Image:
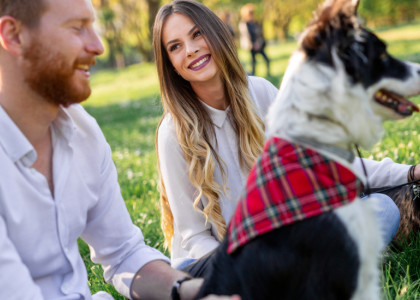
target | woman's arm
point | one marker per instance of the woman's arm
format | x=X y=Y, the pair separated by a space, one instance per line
x=263 y=93
x=383 y=173
x=189 y=224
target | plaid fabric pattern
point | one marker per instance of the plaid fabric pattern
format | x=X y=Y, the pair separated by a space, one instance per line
x=289 y=183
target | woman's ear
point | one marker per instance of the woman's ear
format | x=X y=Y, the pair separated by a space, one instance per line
x=10 y=35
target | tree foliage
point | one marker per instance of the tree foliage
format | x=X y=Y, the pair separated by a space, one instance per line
x=126 y=28
x=126 y=24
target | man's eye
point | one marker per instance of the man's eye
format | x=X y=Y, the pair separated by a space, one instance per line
x=77 y=28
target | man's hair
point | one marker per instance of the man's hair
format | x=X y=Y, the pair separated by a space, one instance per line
x=26 y=11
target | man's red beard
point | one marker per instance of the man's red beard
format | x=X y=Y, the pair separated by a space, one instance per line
x=51 y=75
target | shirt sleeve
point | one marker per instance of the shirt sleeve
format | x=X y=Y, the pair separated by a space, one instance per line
x=15 y=279
x=382 y=173
x=189 y=224
x=114 y=241
x=263 y=92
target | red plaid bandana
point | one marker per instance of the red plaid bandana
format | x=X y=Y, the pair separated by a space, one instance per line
x=289 y=183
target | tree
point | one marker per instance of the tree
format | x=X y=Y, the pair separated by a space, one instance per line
x=282 y=12
x=127 y=25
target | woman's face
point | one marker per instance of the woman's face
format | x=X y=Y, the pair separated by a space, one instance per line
x=188 y=50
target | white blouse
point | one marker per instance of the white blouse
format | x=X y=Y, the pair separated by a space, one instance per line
x=193 y=237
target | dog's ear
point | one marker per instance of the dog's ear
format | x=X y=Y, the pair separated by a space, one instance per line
x=356 y=5
x=332 y=16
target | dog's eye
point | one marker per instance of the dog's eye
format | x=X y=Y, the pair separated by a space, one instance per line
x=384 y=56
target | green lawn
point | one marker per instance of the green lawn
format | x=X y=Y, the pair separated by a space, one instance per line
x=126 y=105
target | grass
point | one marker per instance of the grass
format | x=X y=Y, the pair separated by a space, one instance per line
x=126 y=106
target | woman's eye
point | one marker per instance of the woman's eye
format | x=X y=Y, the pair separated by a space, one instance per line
x=197 y=33
x=173 y=47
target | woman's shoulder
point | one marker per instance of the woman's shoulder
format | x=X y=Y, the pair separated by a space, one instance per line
x=261 y=90
x=166 y=133
x=259 y=82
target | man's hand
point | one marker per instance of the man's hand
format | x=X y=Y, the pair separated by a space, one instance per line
x=190 y=288
x=214 y=297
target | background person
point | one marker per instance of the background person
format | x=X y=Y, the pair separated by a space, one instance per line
x=226 y=18
x=252 y=36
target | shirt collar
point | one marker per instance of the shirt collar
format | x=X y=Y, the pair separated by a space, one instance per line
x=17 y=146
x=217 y=116
x=64 y=123
x=14 y=142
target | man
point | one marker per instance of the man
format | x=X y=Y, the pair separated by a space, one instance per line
x=57 y=178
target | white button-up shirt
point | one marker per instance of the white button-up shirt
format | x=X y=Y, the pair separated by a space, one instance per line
x=193 y=236
x=39 y=256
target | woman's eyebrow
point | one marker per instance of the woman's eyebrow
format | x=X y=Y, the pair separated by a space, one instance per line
x=189 y=32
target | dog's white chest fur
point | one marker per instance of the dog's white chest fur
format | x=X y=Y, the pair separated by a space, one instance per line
x=362 y=225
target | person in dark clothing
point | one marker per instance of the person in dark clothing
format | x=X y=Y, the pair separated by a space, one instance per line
x=251 y=36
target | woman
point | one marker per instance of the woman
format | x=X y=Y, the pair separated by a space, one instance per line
x=211 y=130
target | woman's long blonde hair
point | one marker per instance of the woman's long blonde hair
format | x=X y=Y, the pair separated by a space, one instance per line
x=192 y=122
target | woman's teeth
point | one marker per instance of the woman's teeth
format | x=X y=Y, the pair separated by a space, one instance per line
x=200 y=62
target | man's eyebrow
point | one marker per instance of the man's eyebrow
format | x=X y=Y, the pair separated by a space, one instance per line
x=79 y=19
x=189 y=32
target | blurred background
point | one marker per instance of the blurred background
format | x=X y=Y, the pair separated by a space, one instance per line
x=125 y=25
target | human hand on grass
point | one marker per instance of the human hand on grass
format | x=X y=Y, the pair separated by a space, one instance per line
x=190 y=288
x=214 y=297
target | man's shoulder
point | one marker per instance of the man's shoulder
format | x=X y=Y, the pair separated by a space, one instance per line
x=78 y=113
x=81 y=118
x=85 y=125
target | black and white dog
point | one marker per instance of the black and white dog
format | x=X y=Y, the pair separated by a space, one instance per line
x=300 y=231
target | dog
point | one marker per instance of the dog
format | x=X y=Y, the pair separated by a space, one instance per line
x=300 y=231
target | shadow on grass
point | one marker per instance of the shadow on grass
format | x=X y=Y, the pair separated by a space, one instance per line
x=129 y=125
x=401 y=271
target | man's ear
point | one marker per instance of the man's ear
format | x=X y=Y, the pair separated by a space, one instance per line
x=10 y=35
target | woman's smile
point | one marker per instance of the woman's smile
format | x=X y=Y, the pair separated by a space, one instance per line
x=200 y=63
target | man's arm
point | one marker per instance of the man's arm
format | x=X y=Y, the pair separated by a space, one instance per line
x=155 y=281
x=15 y=278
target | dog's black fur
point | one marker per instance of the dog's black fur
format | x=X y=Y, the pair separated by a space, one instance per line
x=365 y=61
x=273 y=265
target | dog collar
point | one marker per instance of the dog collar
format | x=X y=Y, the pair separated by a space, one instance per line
x=348 y=155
